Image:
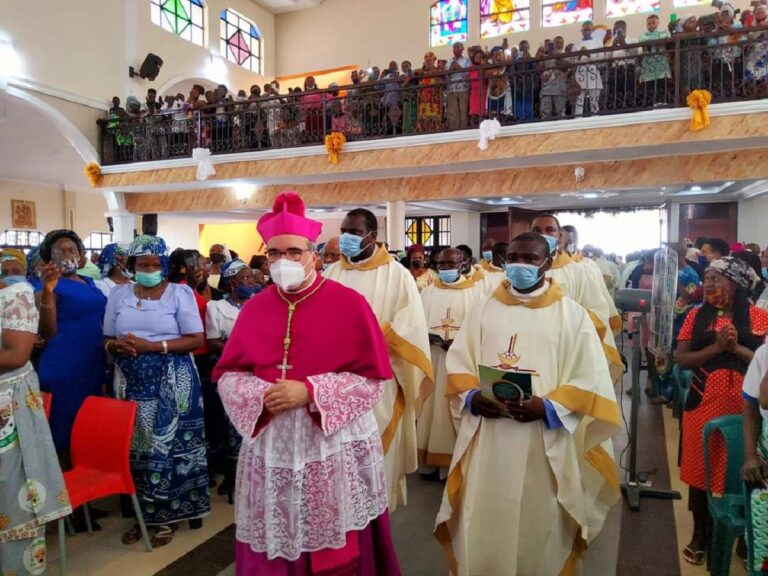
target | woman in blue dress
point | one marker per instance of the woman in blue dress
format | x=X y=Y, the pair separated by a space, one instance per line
x=151 y=328
x=71 y=312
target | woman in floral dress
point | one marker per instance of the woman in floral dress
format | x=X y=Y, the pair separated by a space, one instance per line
x=32 y=490
x=430 y=96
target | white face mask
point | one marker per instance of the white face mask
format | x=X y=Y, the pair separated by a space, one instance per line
x=287 y=275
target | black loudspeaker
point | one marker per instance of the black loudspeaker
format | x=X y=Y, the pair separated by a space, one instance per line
x=149 y=224
x=149 y=69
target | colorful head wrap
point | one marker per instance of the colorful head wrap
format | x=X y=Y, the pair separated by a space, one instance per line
x=14 y=255
x=107 y=258
x=736 y=271
x=415 y=248
x=54 y=236
x=146 y=245
x=33 y=258
x=231 y=269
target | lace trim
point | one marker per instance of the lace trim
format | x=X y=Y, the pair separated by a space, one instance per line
x=342 y=397
x=285 y=512
x=17 y=309
x=242 y=395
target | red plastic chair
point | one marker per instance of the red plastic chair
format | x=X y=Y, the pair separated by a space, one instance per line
x=101 y=442
x=47 y=401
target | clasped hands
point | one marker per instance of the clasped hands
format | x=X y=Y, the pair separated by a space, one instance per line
x=727 y=339
x=132 y=345
x=286 y=395
x=525 y=411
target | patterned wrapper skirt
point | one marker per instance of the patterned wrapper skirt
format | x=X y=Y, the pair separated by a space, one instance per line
x=168 y=460
x=32 y=490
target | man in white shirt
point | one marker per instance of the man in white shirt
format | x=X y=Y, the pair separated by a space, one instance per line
x=588 y=75
x=458 y=89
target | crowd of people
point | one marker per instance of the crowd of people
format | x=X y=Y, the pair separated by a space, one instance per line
x=607 y=69
x=310 y=381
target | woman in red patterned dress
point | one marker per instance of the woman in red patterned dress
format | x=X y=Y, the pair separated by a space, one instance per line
x=717 y=341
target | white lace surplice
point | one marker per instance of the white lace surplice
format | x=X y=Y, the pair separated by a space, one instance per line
x=301 y=487
x=17 y=308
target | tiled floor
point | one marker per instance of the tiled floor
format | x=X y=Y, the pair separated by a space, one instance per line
x=631 y=544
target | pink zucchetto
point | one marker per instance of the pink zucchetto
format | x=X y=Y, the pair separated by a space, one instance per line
x=287 y=217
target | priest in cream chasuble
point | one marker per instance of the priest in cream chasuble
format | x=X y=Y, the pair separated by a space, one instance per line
x=533 y=474
x=391 y=291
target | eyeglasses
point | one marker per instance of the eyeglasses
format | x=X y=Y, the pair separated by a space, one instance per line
x=292 y=254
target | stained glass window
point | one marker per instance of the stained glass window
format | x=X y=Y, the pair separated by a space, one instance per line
x=684 y=3
x=502 y=17
x=621 y=8
x=448 y=22
x=240 y=41
x=429 y=231
x=557 y=13
x=181 y=17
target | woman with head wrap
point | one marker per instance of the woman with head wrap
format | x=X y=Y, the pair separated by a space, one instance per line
x=13 y=266
x=113 y=265
x=151 y=328
x=32 y=489
x=418 y=267
x=71 y=311
x=717 y=342
x=35 y=269
x=239 y=283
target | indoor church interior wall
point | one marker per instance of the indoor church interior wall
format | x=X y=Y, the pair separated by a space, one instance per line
x=52 y=205
x=372 y=32
x=753 y=214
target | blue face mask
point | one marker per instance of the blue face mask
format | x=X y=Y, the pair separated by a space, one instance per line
x=69 y=266
x=149 y=279
x=487 y=255
x=765 y=273
x=350 y=244
x=11 y=280
x=448 y=276
x=703 y=262
x=552 y=241
x=523 y=276
x=244 y=292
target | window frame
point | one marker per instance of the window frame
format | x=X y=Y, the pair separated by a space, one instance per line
x=248 y=33
x=492 y=14
x=440 y=235
x=17 y=245
x=546 y=3
x=88 y=242
x=197 y=30
x=440 y=24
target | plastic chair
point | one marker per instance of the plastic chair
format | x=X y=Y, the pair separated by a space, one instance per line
x=682 y=386
x=101 y=442
x=750 y=533
x=47 y=401
x=726 y=510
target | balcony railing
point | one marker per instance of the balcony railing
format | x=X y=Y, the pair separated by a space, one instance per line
x=732 y=66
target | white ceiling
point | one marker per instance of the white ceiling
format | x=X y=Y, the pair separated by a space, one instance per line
x=32 y=149
x=281 y=6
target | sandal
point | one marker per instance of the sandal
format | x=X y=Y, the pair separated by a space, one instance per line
x=132 y=536
x=695 y=557
x=161 y=535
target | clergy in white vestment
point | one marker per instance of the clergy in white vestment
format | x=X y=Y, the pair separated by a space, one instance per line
x=389 y=288
x=533 y=474
x=493 y=270
x=586 y=288
x=299 y=377
x=446 y=305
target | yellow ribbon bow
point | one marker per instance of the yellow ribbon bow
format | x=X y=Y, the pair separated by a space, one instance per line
x=93 y=172
x=698 y=101
x=334 y=142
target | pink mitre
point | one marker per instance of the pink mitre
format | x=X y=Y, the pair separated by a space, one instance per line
x=287 y=217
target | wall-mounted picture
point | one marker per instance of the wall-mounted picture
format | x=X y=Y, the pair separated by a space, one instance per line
x=24 y=215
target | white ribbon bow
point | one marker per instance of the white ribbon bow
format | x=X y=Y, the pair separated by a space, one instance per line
x=204 y=166
x=489 y=129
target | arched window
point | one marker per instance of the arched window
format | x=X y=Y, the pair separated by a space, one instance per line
x=448 y=22
x=95 y=242
x=181 y=17
x=23 y=240
x=621 y=8
x=240 y=41
x=502 y=17
x=559 y=13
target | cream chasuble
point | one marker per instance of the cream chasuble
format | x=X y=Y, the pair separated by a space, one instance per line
x=588 y=289
x=392 y=294
x=446 y=307
x=492 y=276
x=522 y=499
x=614 y=318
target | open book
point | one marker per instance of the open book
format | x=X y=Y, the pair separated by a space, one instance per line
x=501 y=385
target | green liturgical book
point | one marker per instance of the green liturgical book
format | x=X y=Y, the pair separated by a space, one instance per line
x=502 y=385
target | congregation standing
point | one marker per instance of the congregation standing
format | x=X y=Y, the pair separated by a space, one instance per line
x=317 y=377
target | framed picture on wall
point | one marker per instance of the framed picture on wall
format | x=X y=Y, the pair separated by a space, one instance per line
x=23 y=214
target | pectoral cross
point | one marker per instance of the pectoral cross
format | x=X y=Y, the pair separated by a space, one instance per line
x=284 y=367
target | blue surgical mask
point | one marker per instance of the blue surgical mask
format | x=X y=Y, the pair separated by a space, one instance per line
x=448 y=276
x=11 y=280
x=149 y=279
x=523 y=276
x=552 y=241
x=703 y=262
x=765 y=273
x=244 y=292
x=487 y=255
x=350 y=244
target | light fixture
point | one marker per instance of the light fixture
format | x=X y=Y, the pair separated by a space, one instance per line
x=695 y=188
x=244 y=191
x=590 y=195
x=506 y=199
x=10 y=64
